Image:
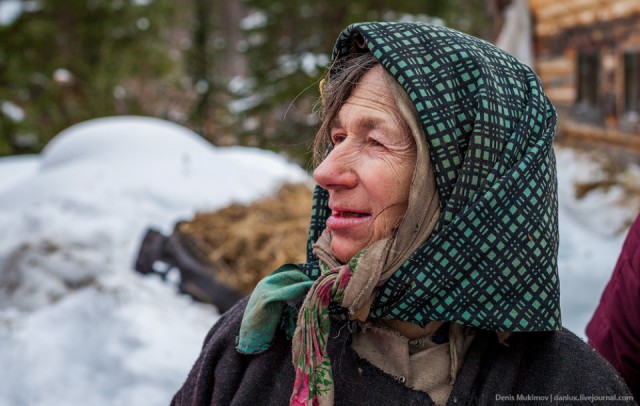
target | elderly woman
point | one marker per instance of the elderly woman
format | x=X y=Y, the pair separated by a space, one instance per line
x=431 y=274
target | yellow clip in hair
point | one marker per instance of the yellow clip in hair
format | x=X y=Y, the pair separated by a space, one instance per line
x=323 y=83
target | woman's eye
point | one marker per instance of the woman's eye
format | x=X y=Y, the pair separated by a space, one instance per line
x=337 y=139
x=375 y=143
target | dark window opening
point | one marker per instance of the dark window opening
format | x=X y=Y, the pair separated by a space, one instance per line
x=588 y=83
x=632 y=82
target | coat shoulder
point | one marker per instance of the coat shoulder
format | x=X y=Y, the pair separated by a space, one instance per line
x=221 y=375
x=543 y=366
x=570 y=366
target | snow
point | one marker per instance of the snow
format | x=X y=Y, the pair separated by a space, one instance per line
x=307 y=61
x=78 y=326
x=12 y=111
x=592 y=231
x=10 y=10
x=254 y=21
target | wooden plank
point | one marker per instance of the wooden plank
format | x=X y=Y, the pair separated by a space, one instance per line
x=563 y=8
x=623 y=8
x=582 y=132
x=565 y=95
x=633 y=41
x=556 y=72
x=553 y=17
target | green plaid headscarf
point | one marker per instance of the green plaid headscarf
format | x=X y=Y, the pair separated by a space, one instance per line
x=492 y=260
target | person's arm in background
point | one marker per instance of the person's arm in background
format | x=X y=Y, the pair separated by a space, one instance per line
x=614 y=330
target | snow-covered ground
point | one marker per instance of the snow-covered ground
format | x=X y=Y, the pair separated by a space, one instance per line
x=79 y=327
x=592 y=230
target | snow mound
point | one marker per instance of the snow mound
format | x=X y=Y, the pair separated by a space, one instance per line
x=77 y=324
x=15 y=169
x=121 y=139
x=128 y=159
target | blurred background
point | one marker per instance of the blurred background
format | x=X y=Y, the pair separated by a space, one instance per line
x=233 y=70
x=236 y=72
x=170 y=137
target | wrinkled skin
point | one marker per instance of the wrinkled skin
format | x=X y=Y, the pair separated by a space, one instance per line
x=368 y=172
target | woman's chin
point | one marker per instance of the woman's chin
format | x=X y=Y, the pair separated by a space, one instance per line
x=343 y=251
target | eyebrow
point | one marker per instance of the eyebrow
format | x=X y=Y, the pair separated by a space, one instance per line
x=365 y=123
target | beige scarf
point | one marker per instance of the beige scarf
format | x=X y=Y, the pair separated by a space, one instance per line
x=419 y=364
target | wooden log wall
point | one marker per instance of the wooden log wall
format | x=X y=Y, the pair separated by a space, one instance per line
x=564 y=28
x=555 y=16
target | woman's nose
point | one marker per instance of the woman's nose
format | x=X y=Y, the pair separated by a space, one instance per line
x=336 y=171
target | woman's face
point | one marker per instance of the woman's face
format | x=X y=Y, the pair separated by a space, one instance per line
x=368 y=173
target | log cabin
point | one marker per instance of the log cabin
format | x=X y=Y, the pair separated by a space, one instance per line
x=587 y=54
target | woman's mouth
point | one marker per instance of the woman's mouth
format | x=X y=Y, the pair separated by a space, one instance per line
x=351 y=214
x=347 y=219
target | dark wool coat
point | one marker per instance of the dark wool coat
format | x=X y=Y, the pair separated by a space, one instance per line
x=549 y=364
x=614 y=330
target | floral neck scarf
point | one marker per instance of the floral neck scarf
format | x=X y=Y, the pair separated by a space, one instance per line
x=314 y=377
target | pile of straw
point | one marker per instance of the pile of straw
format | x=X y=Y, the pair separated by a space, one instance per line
x=244 y=243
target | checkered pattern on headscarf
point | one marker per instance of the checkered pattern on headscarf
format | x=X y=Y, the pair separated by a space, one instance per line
x=492 y=260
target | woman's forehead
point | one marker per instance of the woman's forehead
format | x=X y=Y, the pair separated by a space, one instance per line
x=372 y=102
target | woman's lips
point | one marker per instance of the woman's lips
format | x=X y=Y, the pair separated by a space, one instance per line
x=344 y=220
